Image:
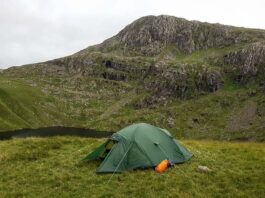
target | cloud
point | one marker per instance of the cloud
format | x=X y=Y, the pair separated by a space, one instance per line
x=37 y=30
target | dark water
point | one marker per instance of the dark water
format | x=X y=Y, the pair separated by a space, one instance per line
x=54 y=131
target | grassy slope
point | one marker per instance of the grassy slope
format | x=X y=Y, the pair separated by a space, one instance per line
x=93 y=102
x=113 y=107
x=209 y=116
x=23 y=105
x=51 y=167
x=37 y=102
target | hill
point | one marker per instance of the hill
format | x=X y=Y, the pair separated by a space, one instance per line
x=199 y=80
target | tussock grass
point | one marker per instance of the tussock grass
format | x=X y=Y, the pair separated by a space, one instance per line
x=52 y=167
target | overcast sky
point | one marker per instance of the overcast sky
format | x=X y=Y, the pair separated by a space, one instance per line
x=38 y=30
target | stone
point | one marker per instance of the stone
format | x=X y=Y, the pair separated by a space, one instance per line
x=203 y=169
x=248 y=61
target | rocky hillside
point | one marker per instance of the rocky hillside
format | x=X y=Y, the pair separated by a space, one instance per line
x=149 y=35
x=161 y=65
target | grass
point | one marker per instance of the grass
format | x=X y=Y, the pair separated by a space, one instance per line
x=24 y=105
x=206 y=117
x=204 y=55
x=38 y=102
x=19 y=104
x=106 y=105
x=52 y=167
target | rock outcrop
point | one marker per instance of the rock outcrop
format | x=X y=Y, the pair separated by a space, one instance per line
x=185 y=81
x=150 y=34
x=249 y=61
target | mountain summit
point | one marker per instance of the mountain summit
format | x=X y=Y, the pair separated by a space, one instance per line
x=151 y=33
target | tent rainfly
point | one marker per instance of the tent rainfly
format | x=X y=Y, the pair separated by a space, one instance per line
x=138 y=146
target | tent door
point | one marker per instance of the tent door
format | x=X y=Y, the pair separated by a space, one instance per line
x=108 y=148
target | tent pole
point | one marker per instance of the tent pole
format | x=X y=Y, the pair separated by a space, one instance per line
x=119 y=163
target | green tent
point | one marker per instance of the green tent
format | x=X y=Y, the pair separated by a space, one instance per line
x=138 y=146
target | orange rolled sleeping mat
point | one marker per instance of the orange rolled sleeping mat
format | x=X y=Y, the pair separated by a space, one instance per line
x=162 y=166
